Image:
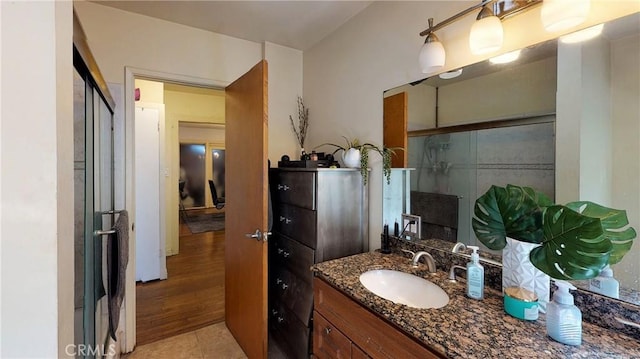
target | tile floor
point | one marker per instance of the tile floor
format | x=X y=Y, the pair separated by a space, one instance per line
x=214 y=341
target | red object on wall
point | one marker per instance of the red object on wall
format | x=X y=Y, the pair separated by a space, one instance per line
x=137 y=94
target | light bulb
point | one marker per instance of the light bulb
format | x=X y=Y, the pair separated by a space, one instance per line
x=432 y=55
x=582 y=35
x=558 y=15
x=486 y=33
x=505 y=58
x=450 y=74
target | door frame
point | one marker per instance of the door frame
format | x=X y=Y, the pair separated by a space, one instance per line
x=131 y=73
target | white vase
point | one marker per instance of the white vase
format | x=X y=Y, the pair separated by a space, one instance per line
x=517 y=271
x=351 y=158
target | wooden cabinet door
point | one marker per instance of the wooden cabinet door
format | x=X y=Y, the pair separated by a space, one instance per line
x=329 y=342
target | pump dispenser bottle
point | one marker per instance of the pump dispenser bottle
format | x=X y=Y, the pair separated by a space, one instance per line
x=475 y=276
x=564 y=320
x=605 y=284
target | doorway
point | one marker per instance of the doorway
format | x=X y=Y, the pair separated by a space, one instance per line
x=191 y=295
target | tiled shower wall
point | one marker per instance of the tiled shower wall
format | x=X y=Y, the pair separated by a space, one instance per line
x=466 y=164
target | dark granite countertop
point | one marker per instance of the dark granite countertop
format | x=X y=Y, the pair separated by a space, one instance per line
x=468 y=328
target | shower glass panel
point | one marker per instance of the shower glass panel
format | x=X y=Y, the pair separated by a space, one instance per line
x=217 y=172
x=79 y=168
x=193 y=174
x=93 y=195
x=466 y=164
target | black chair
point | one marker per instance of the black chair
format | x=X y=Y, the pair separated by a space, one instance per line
x=217 y=201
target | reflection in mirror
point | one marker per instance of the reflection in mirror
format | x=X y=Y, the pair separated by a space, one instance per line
x=499 y=124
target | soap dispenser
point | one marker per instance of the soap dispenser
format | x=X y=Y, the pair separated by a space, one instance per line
x=564 y=320
x=605 y=284
x=475 y=276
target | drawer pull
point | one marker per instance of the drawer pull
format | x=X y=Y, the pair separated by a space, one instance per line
x=274 y=312
x=285 y=286
x=285 y=254
x=327 y=330
x=278 y=281
x=283 y=187
x=280 y=319
x=280 y=250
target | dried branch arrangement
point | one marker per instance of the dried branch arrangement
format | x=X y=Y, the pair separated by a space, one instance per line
x=303 y=123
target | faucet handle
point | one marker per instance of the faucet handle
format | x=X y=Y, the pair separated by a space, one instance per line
x=408 y=251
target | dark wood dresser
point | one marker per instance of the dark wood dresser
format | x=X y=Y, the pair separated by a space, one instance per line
x=318 y=215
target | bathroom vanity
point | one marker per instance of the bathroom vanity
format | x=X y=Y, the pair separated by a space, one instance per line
x=348 y=314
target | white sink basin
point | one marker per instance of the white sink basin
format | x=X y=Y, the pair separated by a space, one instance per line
x=404 y=288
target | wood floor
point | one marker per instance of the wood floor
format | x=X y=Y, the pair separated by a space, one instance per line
x=193 y=295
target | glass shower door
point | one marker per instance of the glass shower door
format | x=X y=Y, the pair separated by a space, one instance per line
x=93 y=196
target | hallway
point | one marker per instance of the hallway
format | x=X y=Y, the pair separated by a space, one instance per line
x=193 y=295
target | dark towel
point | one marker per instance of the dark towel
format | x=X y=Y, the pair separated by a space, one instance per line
x=117 y=260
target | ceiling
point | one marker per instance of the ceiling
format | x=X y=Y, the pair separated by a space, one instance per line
x=295 y=24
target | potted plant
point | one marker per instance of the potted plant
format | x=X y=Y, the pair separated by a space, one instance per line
x=576 y=241
x=356 y=155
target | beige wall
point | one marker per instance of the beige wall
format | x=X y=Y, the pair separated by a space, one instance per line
x=346 y=73
x=147 y=45
x=36 y=157
x=285 y=84
x=194 y=104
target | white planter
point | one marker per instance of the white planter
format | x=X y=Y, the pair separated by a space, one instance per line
x=351 y=158
x=518 y=271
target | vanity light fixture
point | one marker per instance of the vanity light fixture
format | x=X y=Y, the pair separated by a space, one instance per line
x=505 y=58
x=582 y=35
x=558 y=15
x=486 y=33
x=432 y=54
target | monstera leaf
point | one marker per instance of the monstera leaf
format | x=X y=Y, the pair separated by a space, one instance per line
x=513 y=211
x=574 y=245
x=613 y=223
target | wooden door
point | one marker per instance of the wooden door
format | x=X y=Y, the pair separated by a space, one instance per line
x=246 y=210
x=395 y=127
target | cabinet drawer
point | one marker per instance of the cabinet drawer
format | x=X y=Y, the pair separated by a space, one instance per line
x=296 y=257
x=292 y=292
x=297 y=223
x=357 y=353
x=296 y=188
x=291 y=335
x=372 y=334
x=328 y=341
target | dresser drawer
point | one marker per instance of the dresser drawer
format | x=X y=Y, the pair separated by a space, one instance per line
x=292 y=255
x=297 y=223
x=292 y=292
x=296 y=188
x=328 y=341
x=291 y=335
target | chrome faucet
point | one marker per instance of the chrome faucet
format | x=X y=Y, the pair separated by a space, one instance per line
x=452 y=272
x=458 y=247
x=431 y=263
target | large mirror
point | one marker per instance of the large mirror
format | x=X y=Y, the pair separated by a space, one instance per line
x=563 y=118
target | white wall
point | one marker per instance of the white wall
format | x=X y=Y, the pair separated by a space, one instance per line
x=625 y=113
x=285 y=84
x=36 y=157
x=346 y=73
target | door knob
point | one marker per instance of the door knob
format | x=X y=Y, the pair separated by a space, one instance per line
x=258 y=235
